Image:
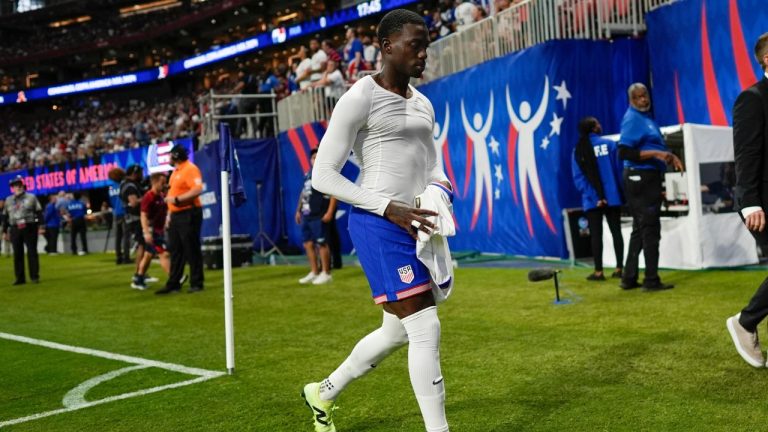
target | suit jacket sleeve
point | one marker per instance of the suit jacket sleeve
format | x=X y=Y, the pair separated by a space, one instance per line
x=749 y=148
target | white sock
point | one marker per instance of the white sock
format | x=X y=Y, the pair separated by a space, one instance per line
x=423 y=329
x=371 y=349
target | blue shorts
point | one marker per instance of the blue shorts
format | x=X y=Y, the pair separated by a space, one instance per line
x=314 y=230
x=387 y=254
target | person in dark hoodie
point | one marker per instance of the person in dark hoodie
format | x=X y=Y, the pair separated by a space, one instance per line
x=597 y=173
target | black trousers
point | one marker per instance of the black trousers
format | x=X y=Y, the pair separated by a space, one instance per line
x=122 y=240
x=184 y=246
x=595 y=218
x=20 y=238
x=78 y=227
x=757 y=309
x=643 y=191
x=51 y=239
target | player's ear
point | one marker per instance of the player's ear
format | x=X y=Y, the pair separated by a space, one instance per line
x=387 y=45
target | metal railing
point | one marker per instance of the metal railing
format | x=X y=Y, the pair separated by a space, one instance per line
x=307 y=106
x=251 y=115
x=523 y=25
x=533 y=22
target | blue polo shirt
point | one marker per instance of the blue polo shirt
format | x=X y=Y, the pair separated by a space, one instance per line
x=76 y=209
x=52 y=216
x=609 y=165
x=114 y=200
x=640 y=131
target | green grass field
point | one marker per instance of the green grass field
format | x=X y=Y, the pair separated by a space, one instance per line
x=513 y=361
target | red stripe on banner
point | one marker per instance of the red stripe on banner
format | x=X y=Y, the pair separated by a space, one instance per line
x=680 y=113
x=511 y=158
x=544 y=212
x=740 y=54
x=714 y=103
x=449 y=165
x=527 y=210
x=468 y=170
x=298 y=148
x=309 y=132
x=475 y=214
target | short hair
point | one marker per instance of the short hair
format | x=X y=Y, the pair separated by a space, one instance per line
x=313 y=152
x=761 y=49
x=116 y=174
x=635 y=86
x=394 y=21
x=156 y=176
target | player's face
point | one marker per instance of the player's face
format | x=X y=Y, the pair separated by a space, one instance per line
x=408 y=50
x=160 y=184
x=641 y=100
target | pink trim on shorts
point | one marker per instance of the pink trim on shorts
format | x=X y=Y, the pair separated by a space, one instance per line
x=409 y=292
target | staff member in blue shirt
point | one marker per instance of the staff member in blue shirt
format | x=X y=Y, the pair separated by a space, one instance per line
x=75 y=215
x=597 y=174
x=122 y=234
x=52 y=219
x=645 y=155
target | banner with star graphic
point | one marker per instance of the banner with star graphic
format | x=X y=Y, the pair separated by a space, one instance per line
x=506 y=130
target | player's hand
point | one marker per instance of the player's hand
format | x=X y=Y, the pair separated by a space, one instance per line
x=602 y=203
x=6 y=237
x=297 y=218
x=169 y=200
x=327 y=217
x=756 y=221
x=408 y=217
x=148 y=238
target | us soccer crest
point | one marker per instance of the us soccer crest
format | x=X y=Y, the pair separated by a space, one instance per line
x=406 y=274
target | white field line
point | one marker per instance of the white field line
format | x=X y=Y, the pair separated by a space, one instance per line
x=74 y=399
x=105 y=400
x=113 y=356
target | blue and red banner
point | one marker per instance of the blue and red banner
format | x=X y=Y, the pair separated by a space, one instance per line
x=506 y=131
x=295 y=147
x=92 y=173
x=702 y=57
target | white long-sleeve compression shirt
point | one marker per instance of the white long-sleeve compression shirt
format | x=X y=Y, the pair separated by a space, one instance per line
x=392 y=139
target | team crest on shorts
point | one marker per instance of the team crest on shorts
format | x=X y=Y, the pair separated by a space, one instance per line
x=406 y=274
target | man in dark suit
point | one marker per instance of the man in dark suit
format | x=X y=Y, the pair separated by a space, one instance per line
x=750 y=147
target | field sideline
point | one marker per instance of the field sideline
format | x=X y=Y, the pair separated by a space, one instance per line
x=513 y=361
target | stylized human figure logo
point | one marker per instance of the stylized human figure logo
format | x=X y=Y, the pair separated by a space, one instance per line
x=526 y=125
x=478 y=133
x=440 y=134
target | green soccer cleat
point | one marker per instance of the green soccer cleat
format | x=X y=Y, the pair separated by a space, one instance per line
x=322 y=411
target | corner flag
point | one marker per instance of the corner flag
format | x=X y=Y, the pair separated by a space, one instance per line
x=231 y=164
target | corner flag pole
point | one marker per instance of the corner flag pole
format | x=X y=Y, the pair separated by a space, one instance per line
x=229 y=331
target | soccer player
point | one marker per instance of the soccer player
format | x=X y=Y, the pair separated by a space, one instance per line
x=154 y=212
x=388 y=123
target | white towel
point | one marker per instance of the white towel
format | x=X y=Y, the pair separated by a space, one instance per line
x=432 y=249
